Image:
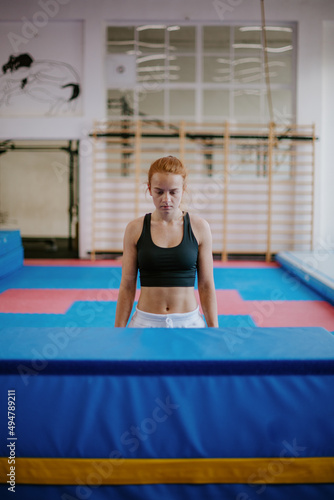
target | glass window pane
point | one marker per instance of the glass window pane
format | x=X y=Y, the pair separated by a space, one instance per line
x=182 y=103
x=282 y=106
x=216 y=103
x=280 y=68
x=182 y=40
x=279 y=37
x=120 y=39
x=151 y=70
x=151 y=102
x=182 y=69
x=216 y=69
x=216 y=38
x=248 y=35
x=247 y=41
x=248 y=70
x=247 y=105
x=120 y=102
x=151 y=40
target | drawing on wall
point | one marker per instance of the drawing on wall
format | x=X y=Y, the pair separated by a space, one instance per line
x=54 y=85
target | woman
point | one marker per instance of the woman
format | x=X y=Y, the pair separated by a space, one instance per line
x=168 y=247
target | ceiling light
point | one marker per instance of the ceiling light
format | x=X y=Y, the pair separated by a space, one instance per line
x=247 y=60
x=158 y=68
x=173 y=28
x=151 y=27
x=154 y=57
x=267 y=28
x=151 y=45
x=247 y=46
x=279 y=49
x=259 y=46
x=134 y=52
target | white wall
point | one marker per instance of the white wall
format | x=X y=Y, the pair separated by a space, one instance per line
x=314 y=80
x=327 y=160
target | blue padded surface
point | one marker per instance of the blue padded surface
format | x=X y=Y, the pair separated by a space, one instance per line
x=101 y=314
x=252 y=284
x=310 y=271
x=11 y=253
x=171 y=393
x=166 y=416
x=261 y=284
x=64 y=277
x=174 y=492
x=9 y=240
x=236 y=320
x=281 y=349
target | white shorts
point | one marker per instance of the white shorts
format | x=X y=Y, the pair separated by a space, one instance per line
x=141 y=319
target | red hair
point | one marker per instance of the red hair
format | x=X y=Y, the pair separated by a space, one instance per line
x=168 y=165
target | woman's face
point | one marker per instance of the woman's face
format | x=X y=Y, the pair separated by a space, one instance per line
x=166 y=190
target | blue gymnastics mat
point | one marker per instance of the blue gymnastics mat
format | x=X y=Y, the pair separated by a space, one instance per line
x=164 y=394
x=315 y=269
x=11 y=252
x=252 y=284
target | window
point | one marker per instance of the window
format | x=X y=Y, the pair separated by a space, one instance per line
x=201 y=73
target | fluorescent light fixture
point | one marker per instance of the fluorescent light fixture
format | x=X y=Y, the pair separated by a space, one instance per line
x=246 y=60
x=223 y=61
x=258 y=76
x=259 y=46
x=154 y=57
x=158 y=68
x=151 y=45
x=267 y=28
x=247 y=46
x=247 y=71
x=134 y=52
x=253 y=78
x=221 y=79
x=158 y=76
x=243 y=60
x=223 y=70
x=279 y=49
x=151 y=27
x=173 y=28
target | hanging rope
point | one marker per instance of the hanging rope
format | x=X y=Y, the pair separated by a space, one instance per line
x=266 y=65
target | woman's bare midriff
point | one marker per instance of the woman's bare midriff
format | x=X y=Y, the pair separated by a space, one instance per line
x=167 y=300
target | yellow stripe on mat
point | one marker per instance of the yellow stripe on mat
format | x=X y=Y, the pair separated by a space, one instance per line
x=170 y=470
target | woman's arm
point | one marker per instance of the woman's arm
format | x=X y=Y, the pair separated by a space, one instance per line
x=127 y=290
x=206 y=286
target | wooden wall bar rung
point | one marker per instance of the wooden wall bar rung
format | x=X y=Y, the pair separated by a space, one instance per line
x=257 y=176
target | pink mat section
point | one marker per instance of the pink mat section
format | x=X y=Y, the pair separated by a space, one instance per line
x=72 y=262
x=50 y=301
x=118 y=262
x=294 y=313
x=245 y=263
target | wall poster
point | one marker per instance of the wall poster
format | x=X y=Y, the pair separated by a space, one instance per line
x=40 y=69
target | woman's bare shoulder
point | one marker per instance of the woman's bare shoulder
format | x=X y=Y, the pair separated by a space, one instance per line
x=134 y=228
x=199 y=222
x=200 y=227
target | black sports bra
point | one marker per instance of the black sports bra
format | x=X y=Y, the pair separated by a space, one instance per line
x=175 y=266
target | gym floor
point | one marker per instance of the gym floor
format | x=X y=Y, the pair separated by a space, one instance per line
x=60 y=293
